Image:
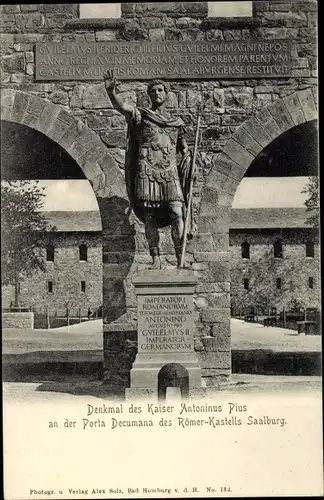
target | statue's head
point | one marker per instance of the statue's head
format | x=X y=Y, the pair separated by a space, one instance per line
x=157 y=91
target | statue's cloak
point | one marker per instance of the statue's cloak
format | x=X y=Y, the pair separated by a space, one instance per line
x=131 y=166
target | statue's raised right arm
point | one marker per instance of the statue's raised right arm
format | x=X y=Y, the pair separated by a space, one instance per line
x=111 y=86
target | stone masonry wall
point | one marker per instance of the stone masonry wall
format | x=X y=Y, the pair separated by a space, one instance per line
x=24 y=320
x=66 y=273
x=294 y=269
x=226 y=105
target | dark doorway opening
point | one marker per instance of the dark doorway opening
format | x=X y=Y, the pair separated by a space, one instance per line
x=173 y=375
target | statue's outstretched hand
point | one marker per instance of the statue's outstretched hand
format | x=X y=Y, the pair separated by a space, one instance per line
x=110 y=80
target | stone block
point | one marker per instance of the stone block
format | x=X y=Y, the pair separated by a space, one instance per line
x=29 y=7
x=58 y=129
x=11 y=9
x=257 y=131
x=4 y=77
x=306 y=99
x=172 y=100
x=191 y=9
x=57 y=8
x=29 y=57
x=221 y=330
x=218 y=300
x=281 y=115
x=132 y=31
x=14 y=63
x=225 y=168
x=201 y=243
x=238 y=154
x=19 y=107
x=59 y=97
x=150 y=22
x=30 y=21
x=247 y=141
x=114 y=138
x=7 y=101
x=300 y=73
x=238 y=97
x=232 y=119
x=219 y=342
x=214 y=34
x=219 y=271
x=6 y=44
x=156 y=34
x=220 y=241
x=213 y=223
x=213 y=287
x=76 y=99
x=194 y=98
x=293 y=105
x=214 y=359
x=192 y=35
x=105 y=35
x=95 y=96
x=269 y=122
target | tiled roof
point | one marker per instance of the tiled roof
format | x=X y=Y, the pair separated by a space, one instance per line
x=75 y=221
x=266 y=218
x=242 y=218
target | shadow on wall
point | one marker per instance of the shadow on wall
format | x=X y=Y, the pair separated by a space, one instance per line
x=118 y=254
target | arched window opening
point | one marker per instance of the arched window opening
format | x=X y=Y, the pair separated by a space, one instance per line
x=83 y=252
x=245 y=250
x=278 y=283
x=277 y=249
x=50 y=253
x=246 y=283
x=310 y=249
x=310 y=282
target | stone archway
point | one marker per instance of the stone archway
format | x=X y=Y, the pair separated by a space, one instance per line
x=107 y=181
x=215 y=212
x=243 y=147
x=72 y=134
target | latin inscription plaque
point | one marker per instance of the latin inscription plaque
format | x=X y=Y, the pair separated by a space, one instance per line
x=213 y=59
x=165 y=323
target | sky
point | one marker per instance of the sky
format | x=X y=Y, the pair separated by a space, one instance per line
x=253 y=192
x=215 y=9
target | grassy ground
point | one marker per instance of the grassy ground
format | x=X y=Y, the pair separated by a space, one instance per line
x=88 y=337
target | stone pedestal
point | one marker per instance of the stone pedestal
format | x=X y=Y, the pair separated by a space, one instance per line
x=166 y=355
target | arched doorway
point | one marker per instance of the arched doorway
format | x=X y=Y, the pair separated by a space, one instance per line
x=229 y=167
x=91 y=156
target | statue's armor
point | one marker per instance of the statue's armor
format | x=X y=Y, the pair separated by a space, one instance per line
x=157 y=177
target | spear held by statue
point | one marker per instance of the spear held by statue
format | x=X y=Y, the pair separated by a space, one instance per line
x=190 y=193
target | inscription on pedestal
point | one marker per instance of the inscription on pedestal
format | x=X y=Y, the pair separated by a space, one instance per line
x=165 y=323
